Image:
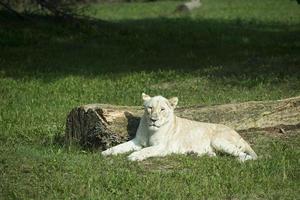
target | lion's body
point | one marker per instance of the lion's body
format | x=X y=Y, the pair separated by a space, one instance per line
x=161 y=133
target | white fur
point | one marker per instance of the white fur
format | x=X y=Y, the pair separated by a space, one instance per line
x=161 y=133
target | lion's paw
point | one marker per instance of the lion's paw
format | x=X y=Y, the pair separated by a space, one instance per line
x=107 y=152
x=136 y=156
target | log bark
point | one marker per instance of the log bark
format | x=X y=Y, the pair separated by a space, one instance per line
x=101 y=126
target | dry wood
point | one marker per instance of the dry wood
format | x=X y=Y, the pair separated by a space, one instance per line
x=101 y=125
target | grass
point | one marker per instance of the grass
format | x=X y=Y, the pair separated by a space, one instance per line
x=49 y=172
x=226 y=51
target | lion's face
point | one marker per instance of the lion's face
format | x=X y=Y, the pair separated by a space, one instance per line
x=158 y=110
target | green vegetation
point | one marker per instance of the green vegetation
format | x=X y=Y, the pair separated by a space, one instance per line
x=226 y=51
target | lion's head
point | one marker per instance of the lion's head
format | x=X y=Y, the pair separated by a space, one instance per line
x=158 y=110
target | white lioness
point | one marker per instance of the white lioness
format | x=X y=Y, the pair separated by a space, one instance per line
x=161 y=133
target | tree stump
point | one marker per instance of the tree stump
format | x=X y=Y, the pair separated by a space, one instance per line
x=101 y=126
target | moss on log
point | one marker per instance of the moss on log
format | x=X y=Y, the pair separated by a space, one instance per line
x=101 y=126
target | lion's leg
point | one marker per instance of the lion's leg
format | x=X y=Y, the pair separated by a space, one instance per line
x=204 y=148
x=209 y=152
x=131 y=145
x=230 y=148
x=147 y=152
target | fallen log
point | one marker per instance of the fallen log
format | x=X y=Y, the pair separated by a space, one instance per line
x=101 y=126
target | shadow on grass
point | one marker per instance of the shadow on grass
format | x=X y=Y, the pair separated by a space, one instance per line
x=46 y=48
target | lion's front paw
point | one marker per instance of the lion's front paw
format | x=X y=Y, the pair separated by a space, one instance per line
x=136 y=156
x=107 y=152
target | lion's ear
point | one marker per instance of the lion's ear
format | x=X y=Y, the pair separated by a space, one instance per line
x=173 y=101
x=145 y=97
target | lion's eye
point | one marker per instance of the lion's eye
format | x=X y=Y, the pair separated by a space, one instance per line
x=162 y=109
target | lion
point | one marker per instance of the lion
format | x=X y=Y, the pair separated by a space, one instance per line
x=161 y=133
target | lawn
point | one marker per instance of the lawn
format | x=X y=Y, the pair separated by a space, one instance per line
x=224 y=52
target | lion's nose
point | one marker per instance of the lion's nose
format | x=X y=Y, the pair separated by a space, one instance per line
x=153 y=119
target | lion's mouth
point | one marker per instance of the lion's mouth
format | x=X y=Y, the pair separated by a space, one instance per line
x=153 y=125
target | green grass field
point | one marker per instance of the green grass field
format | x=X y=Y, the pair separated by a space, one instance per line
x=224 y=52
